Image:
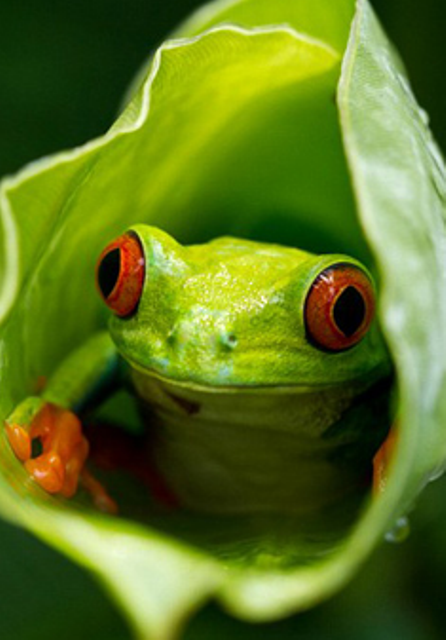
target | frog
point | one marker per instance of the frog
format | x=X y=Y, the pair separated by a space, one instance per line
x=260 y=372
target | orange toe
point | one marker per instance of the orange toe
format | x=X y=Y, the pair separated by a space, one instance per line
x=101 y=498
x=74 y=467
x=19 y=440
x=381 y=462
x=48 y=471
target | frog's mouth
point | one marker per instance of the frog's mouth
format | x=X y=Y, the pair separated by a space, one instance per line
x=357 y=383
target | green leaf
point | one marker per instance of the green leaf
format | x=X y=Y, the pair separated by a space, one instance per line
x=235 y=131
x=400 y=185
x=327 y=21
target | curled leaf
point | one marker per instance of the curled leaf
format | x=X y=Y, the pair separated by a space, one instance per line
x=236 y=129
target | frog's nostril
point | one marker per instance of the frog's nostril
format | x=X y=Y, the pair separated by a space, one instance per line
x=171 y=338
x=229 y=340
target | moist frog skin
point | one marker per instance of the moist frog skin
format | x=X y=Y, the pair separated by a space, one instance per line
x=259 y=370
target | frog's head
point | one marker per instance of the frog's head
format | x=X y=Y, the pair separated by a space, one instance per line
x=239 y=313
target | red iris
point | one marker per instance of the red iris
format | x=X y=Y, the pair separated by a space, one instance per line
x=339 y=307
x=120 y=274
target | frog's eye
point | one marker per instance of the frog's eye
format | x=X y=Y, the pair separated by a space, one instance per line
x=339 y=307
x=120 y=274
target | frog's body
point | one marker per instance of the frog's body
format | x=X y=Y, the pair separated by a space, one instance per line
x=248 y=449
x=245 y=412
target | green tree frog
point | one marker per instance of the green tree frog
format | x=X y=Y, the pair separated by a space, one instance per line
x=260 y=371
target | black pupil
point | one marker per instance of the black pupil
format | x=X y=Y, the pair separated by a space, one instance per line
x=349 y=311
x=108 y=272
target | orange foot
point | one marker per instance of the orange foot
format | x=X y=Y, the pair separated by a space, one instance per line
x=59 y=465
x=381 y=462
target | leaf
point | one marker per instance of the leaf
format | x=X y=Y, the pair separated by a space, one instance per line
x=326 y=21
x=400 y=185
x=235 y=131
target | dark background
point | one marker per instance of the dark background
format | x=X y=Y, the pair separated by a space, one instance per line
x=65 y=65
x=63 y=68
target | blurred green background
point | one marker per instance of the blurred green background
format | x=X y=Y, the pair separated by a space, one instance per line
x=63 y=69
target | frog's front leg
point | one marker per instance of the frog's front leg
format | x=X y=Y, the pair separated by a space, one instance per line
x=56 y=434
x=46 y=434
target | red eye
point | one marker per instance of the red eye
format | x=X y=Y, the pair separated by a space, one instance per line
x=339 y=307
x=120 y=274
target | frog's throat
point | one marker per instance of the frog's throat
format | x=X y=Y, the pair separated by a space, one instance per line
x=258 y=449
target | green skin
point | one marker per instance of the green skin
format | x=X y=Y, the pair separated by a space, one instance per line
x=245 y=414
